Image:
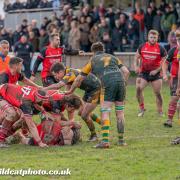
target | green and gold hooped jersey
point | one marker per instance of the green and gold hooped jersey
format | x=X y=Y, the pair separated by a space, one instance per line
x=105 y=66
x=90 y=82
x=70 y=75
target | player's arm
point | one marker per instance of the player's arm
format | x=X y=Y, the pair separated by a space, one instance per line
x=55 y=86
x=77 y=82
x=67 y=51
x=124 y=70
x=38 y=61
x=166 y=62
x=29 y=82
x=137 y=59
x=27 y=110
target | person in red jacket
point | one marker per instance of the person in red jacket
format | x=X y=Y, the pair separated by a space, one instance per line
x=49 y=55
x=148 y=61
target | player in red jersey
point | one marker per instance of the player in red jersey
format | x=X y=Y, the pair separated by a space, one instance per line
x=49 y=55
x=148 y=62
x=23 y=98
x=58 y=103
x=13 y=74
x=172 y=58
x=55 y=132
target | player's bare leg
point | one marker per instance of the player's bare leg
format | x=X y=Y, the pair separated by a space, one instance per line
x=105 y=118
x=171 y=110
x=119 y=108
x=85 y=115
x=157 y=86
x=140 y=85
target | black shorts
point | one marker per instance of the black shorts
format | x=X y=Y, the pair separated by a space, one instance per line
x=173 y=86
x=48 y=81
x=112 y=92
x=150 y=78
x=91 y=96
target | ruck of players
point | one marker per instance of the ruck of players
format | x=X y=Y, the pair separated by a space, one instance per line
x=45 y=113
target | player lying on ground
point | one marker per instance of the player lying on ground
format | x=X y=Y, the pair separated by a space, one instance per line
x=13 y=74
x=91 y=85
x=172 y=58
x=24 y=98
x=107 y=68
x=51 y=132
x=148 y=60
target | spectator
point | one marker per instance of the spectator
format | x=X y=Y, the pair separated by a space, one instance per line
x=153 y=7
x=17 y=5
x=117 y=36
x=45 y=22
x=168 y=21
x=17 y=34
x=74 y=36
x=43 y=39
x=84 y=32
x=89 y=20
x=178 y=12
x=5 y=36
x=107 y=43
x=139 y=16
x=162 y=5
x=44 y=4
x=24 y=24
x=93 y=36
x=34 y=41
x=24 y=50
x=111 y=15
x=34 y=27
x=103 y=27
x=148 y=19
x=156 y=25
x=65 y=35
x=133 y=32
x=1 y=22
x=7 y=6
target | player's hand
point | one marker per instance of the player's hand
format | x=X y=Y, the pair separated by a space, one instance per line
x=43 y=145
x=152 y=73
x=165 y=77
x=32 y=78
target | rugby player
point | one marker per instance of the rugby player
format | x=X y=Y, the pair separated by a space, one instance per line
x=172 y=59
x=148 y=62
x=113 y=90
x=91 y=85
x=24 y=98
x=55 y=132
x=12 y=74
x=49 y=55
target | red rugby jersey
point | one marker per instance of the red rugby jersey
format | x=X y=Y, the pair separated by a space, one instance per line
x=151 y=56
x=55 y=103
x=16 y=95
x=172 y=58
x=7 y=77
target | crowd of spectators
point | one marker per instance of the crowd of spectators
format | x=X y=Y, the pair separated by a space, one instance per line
x=33 y=4
x=118 y=30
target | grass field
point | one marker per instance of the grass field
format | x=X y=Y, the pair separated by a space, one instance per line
x=148 y=156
